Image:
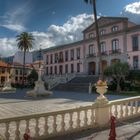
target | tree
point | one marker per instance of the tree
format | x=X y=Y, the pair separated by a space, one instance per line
x=33 y=76
x=134 y=76
x=93 y=2
x=117 y=71
x=24 y=43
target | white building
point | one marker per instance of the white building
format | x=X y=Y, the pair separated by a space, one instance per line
x=18 y=57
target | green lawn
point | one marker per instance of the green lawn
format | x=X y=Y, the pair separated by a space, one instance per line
x=127 y=93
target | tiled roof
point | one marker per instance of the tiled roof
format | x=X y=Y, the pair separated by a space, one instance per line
x=62 y=46
x=3 y=64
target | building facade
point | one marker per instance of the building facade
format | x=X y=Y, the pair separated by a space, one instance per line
x=119 y=40
x=17 y=73
x=4 y=72
x=18 y=57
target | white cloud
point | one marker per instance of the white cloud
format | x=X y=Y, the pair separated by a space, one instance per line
x=70 y=31
x=132 y=11
x=8 y=46
x=133 y=8
x=14 y=27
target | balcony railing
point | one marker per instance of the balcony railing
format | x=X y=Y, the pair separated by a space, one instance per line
x=115 y=51
x=91 y=55
x=60 y=60
x=104 y=53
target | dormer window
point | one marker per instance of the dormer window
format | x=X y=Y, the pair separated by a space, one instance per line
x=115 y=28
x=91 y=35
x=102 y=32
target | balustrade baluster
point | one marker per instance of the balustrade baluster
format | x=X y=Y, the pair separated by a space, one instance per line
x=126 y=109
x=92 y=117
x=54 y=124
x=46 y=126
x=27 y=126
x=71 y=122
x=121 y=111
x=36 y=127
x=7 y=134
x=78 y=119
x=63 y=123
x=17 y=132
x=136 y=107
x=116 y=111
x=131 y=108
x=85 y=118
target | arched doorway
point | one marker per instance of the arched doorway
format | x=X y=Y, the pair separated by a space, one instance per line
x=104 y=65
x=91 y=68
x=113 y=61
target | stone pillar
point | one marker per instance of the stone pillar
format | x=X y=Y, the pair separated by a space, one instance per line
x=102 y=114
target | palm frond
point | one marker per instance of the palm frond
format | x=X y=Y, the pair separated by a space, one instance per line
x=89 y=1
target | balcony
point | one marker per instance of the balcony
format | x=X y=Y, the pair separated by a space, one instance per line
x=91 y=55
x=60 y=60
x=104 y=53
x=117 y=51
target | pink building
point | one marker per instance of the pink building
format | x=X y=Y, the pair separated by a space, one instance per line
x=119 y=39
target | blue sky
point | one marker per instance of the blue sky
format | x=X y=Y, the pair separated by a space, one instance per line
x=55 y=22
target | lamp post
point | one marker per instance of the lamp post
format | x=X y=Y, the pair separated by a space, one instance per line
x=40 y=57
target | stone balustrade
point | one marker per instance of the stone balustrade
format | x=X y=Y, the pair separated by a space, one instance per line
x=125 y=108
x=67 y=121
x=54 y=80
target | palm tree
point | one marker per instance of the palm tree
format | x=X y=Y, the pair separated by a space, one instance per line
x=24 y=43
x=93 y=2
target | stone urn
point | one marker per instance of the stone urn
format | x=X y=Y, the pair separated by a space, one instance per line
x=101 y=88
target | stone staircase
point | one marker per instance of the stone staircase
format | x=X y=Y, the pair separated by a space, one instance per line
x=77 y=84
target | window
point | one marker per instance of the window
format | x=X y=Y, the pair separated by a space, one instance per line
x=51 y=70
x=16 y=72
x=56 y=57
x=115 y=44
x=135 y=62
x=91 y=35
x=66 y=55
x=60 y=69
x=55 y=69
x=46 y=70
x=102 y=32
x=61 y=57
x=78 y=67
x=51 y=58
x=3 y=70
x=72 y=68
x=115 y=28
x=66 y=68
x=90 y=49
x=72 y=54
x=103 y=47
x=20 y=72
x=47 y=59
x=135 y=43
x=78 y=53
x=16 y=79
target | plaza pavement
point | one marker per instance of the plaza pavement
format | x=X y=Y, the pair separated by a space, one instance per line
x=18 y=104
